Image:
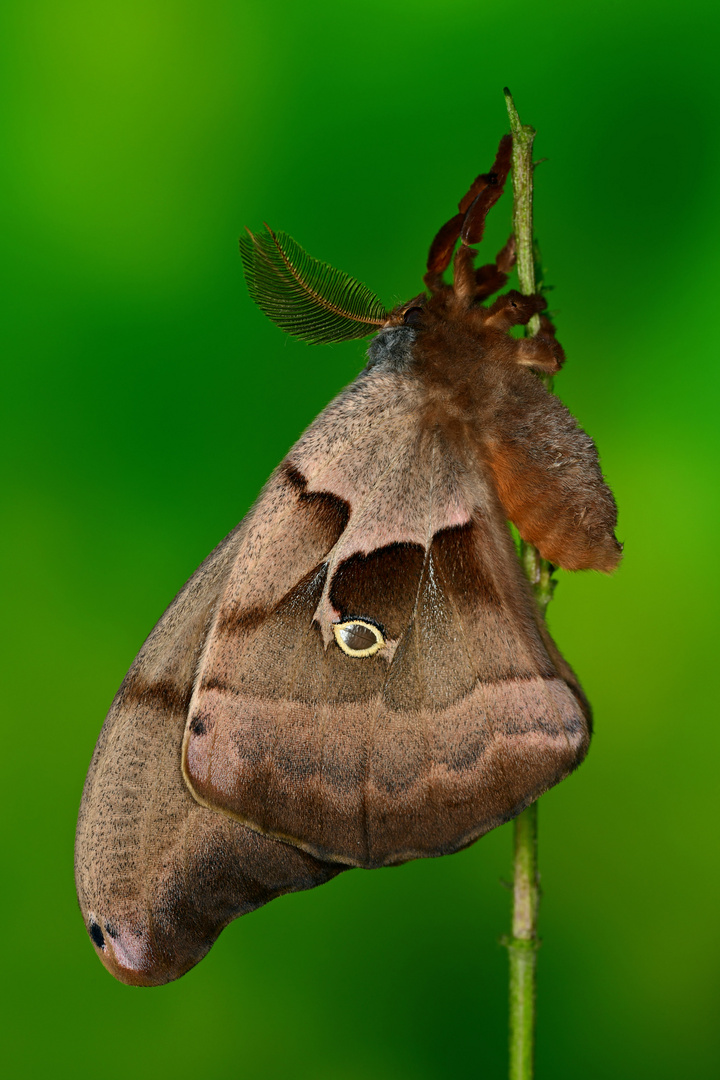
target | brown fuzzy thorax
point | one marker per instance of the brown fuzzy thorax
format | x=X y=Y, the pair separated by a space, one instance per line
x=481 y=393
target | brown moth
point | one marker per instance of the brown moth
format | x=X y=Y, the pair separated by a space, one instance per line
x=359 y=674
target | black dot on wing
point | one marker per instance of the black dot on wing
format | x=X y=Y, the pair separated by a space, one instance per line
x=95 y=932
x=197 y=726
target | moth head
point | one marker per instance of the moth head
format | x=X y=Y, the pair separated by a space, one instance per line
x=358 y=637
x=412 y=316
x=315 y=302
x=409 y=314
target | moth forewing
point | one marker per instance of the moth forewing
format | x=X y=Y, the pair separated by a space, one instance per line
x=359 y=674
x=410 y=754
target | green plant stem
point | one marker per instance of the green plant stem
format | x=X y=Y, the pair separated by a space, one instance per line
x=523 y=943
x=522 y=174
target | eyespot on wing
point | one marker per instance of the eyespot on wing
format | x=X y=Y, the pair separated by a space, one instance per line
x=358 y=638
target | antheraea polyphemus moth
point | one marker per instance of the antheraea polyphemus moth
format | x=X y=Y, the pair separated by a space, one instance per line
x=358 y=675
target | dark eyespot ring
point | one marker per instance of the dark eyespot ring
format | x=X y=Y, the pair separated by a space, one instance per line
x=356 y=637
x=413 y=316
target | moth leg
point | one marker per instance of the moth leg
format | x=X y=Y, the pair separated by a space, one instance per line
x=493 y=184
x=543 y=351
x=492 y=277
x=441 y=251
x=513 y=309
x=464 y=275
x=469 y=223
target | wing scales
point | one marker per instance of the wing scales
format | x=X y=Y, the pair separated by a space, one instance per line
x=158 y=875
x=462 y=718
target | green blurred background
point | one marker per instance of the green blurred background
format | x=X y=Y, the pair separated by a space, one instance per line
x=146 y=400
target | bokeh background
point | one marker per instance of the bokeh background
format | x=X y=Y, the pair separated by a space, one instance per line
x=145 y=401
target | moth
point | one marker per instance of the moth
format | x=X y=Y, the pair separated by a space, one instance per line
x=358 y=675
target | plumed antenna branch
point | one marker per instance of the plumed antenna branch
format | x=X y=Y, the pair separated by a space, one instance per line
x=306 y=297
